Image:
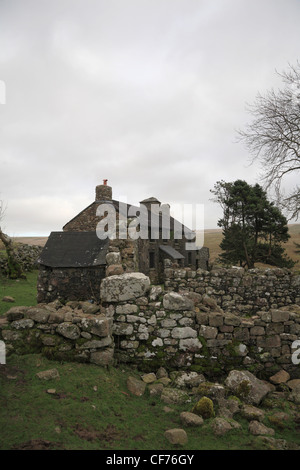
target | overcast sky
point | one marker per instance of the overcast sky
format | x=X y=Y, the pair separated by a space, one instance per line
x=145 y=93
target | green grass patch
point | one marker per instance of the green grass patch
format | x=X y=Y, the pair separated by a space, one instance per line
x=24 y=291
x=91 y=409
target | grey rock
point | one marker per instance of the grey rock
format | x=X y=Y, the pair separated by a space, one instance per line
x=258 y=429
x=172 y=396
x=124 y=287
x=149 y=378
x=175 y=301
x=251 y=413
x=246 y=386
x=126 y=309
x=8 y=298
x=155 y=292
x=68 y=330
x=103 y=358
x=176 y=436
x=48 y=374
x=88 y=307
x=99 y=326
x=188 y=379
x=16 y=313
x=96 y=344
x=191 y=419
x=295 y=395
x=23 y=324
x=220 y=426
x=136 y=386
x=161 y=373
x=113 y=258
x=39 y=315
x=184 y=332
x=155 y=389
x=122 y=329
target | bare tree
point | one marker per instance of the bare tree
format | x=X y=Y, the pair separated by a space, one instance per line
x=273 y=137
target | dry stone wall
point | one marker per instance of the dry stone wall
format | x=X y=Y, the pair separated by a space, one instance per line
x=78 y=331
x=189 y=330
x=151 y=327
x=238 y=290
x=26 y=255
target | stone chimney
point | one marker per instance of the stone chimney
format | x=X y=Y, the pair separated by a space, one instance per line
x=103 y=192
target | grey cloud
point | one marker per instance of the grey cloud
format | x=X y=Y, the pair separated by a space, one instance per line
x=145 y=93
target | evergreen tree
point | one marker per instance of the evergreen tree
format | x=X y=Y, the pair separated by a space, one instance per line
x=253 y=227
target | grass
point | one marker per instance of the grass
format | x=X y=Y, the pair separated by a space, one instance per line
x=22 y=290
x=92 y=409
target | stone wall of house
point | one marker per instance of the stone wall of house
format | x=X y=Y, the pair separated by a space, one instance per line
x=85 y=221
x=82 y=283
x=69 y=283
x=238 y=290
x=122 y=256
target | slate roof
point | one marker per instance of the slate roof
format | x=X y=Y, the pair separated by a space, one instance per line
x=173 y=223
x=74 y=249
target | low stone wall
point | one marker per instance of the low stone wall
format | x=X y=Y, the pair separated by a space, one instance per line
x=191 y=331
x=26 y=255
x=144 y=325
x=239 y=290
x=77 y=331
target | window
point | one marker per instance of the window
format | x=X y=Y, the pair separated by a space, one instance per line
x=150 y=234
x=189 y=257
x=151 y=259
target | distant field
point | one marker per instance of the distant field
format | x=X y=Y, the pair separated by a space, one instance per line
x=212 y=239
x=41 y=241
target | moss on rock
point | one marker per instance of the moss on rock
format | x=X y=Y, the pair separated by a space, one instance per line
x=205 y=408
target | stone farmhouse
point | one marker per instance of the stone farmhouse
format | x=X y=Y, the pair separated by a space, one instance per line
x=76 y=259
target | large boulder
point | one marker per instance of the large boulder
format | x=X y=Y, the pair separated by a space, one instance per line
x=246 y=386
x=123 y=287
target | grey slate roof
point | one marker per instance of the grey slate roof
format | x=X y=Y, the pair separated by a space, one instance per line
x=174 y=224
x=74 y=249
